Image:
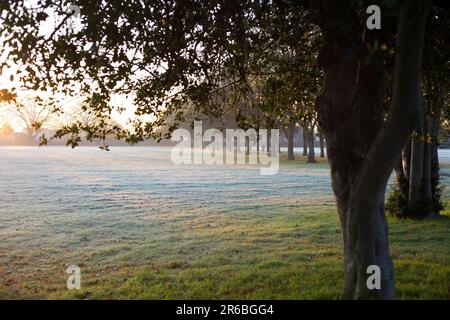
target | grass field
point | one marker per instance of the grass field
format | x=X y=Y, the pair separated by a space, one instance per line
x=228 y=235
x=287 y=255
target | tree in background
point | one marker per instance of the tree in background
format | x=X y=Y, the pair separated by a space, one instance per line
x=290 y=80
x=81 y=123
x=322 y=144
x=6 y=130
x=416 y=192
x=33 y=113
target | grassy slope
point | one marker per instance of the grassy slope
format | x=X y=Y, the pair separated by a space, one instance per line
x=292 y=252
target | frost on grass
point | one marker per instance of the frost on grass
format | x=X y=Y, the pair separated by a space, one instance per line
x=113 y=212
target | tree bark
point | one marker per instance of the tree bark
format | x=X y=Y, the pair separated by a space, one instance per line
x=322 y=145
x=311 y=152
x=305 y=140
x=402 y=171
x=406 y=162
x=416 y=164
x=427 y=195
x=426 y=178
x=361 y=154
x=257 y=143
x=401 y=179
x=435 y=168
x=290 y=138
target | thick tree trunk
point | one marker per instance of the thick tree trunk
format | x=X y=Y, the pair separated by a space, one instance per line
x=361 y=154
x=366 y=244
x=290 y=138
x=322 y=145
x=311 y=152
x=305 y=140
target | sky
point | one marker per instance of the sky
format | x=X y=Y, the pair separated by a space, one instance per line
x=68 y=102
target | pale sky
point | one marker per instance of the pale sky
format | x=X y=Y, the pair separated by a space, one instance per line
x=6 y=83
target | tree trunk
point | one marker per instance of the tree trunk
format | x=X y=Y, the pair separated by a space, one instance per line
x=401 y=179
x=406 y=162
x=257 y=143
x=425 y=184
x=305 y=140
x=402 y=171
x=416 y=164
x=322 y=145
x=311 y=152
x=290 y=138
x=366 y=244
x=427 y=195
x=435 y=161
x=247 y=147
x=361 y=154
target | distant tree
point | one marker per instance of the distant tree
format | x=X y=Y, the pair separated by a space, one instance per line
x=6 y=130
x=33 y=113
x=322 y=144
x=417 y=193
x=290 y=80
x=81 y=123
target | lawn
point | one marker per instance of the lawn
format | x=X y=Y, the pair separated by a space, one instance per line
x=292 y=254
x=282 y=248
